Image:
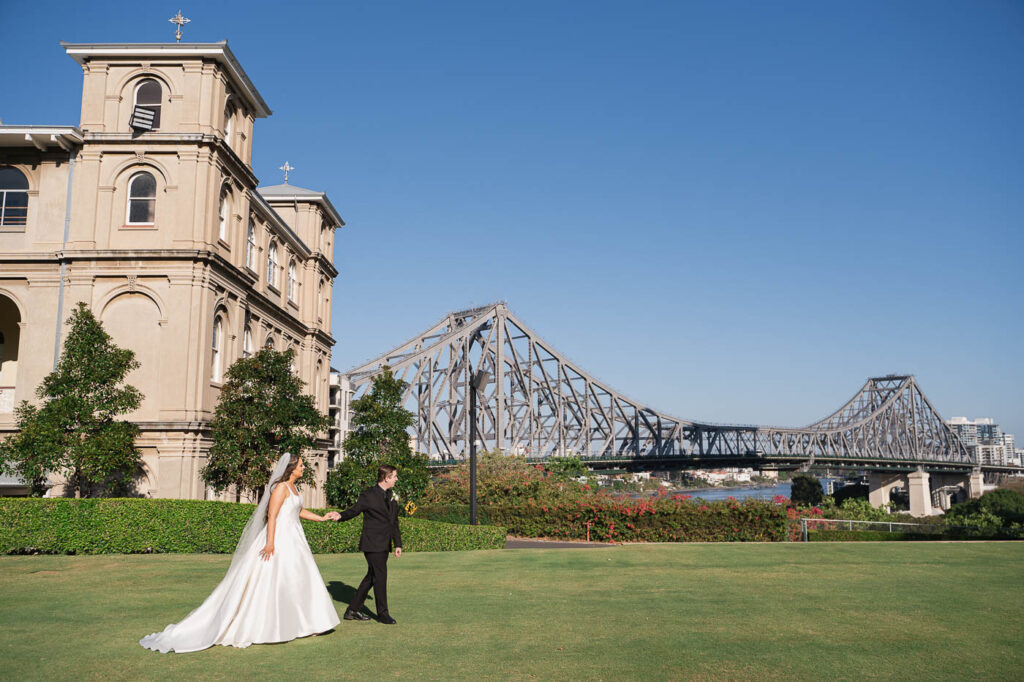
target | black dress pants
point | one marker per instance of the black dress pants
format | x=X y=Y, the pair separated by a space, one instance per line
x=377 y=576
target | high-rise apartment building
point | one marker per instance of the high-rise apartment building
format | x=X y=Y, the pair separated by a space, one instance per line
x=983 y=438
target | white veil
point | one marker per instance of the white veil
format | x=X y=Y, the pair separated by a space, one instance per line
x=203 y=626
x=256 y=526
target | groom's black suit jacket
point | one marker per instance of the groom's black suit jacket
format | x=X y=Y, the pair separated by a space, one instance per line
x=380 y=520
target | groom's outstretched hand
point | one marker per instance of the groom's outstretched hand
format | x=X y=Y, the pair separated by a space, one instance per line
x=332 y=516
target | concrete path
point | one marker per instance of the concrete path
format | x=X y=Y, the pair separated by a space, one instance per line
x=534 y=543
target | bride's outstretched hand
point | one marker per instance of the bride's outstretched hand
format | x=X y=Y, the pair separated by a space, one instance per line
x=332 y=516
x=267 y=552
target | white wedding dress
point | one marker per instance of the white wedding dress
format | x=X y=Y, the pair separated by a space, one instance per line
x=259 y=601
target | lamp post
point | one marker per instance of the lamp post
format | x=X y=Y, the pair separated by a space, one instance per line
x=477 y=382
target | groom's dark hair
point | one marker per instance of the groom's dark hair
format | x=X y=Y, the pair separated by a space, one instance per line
x=383 y=471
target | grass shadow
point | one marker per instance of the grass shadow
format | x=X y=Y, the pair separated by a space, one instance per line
x=343 y=594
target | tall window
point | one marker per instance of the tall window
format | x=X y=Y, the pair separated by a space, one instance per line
x=247 y=343
x=229 y=119
x=318 y=380
x=320 y=299
x=141 y=199
x=269 y=343
x=222 y=216
x=250 y=246
x=293 y=282
x=218 y=344
x=147 y=98
x=272 y=264
x=13 y=197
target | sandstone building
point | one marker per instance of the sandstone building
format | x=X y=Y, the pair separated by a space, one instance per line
x=149 y=212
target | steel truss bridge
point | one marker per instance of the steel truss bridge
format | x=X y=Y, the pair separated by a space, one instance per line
x=533 y=401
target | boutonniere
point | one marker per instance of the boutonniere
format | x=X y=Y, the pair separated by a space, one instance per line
x=394 y=495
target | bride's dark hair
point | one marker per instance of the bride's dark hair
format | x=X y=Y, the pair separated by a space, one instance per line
x=293 y=462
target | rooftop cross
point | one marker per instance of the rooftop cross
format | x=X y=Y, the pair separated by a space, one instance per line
x=286 y=168
x=180 y=21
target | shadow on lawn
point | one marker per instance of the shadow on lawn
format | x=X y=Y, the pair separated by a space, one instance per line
x=343 y=593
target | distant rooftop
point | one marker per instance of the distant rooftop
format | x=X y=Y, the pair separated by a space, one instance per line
x=294 y=193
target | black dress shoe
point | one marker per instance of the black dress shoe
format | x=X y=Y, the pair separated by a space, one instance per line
x=355 y=615
x=387 y=620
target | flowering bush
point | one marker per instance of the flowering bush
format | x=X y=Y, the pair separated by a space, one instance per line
x=502 y=479
x=604 y=518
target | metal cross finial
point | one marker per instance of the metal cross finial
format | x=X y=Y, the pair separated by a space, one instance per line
x=180 y=21
x=287 y=167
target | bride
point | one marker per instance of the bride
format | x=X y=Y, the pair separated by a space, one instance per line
x=272 y=592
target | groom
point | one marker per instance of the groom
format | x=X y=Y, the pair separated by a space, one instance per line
x=380 y=528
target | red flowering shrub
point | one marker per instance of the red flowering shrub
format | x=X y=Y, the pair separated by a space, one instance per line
x=608 y=519
x=519 y=495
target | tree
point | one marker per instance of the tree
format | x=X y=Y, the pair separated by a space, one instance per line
x=1005 y=505
x=379 y=435
x=806 y=490
x=261 y=413
x=75 y=432
x=566 y=467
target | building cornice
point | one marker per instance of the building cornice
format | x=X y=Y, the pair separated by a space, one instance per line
x=222 y=267
x=42 y=138
x=326 y=265
x=219 y=52
x=274 y=217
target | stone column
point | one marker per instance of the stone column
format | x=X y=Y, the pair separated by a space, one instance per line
x=880 y=485
x=975 y=484
x=920 y=493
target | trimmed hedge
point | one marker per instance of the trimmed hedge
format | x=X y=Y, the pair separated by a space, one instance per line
x=142 y=526
x=667 y=519
x=841 y=535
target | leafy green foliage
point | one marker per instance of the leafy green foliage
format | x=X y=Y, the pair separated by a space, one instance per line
x=140 y=526
x=857 y=491
x=661 y=519
x=566 y=467
x=503 y=479
x=1001 y=506
x=261 y=413
x=379 y=436
x=75 y=432
x=807 y=490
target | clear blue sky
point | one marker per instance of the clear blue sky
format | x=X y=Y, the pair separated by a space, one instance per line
x=730 y=211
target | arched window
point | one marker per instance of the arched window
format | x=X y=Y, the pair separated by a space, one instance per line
x=147 y=97
x=293 y=282
x=142 y=199
x=13 y=197
x=295 y=360
x=250 y=245
x=229 y=120
x=320 y=299
x=272 y=264
x=218 y=344
x=222 y=215
x=318 y=379
x=269 y=343
x=247 y=343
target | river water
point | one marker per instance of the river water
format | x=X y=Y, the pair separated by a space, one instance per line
x=712 y=494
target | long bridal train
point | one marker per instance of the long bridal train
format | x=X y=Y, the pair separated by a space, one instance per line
x=259 y=601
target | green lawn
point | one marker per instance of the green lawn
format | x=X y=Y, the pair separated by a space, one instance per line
x=702 y=611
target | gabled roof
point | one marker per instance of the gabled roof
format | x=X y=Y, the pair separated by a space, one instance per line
x=288 y=192
x=219 y=52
